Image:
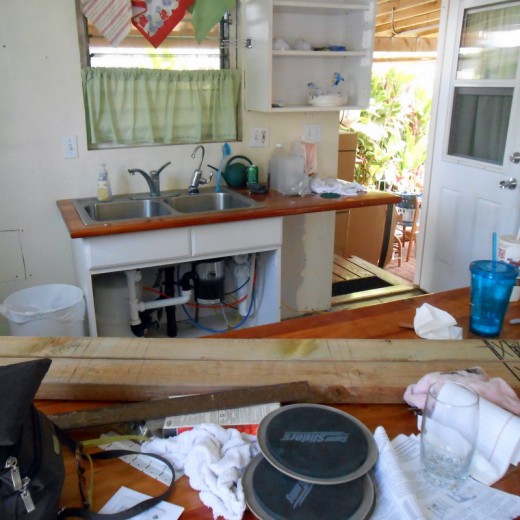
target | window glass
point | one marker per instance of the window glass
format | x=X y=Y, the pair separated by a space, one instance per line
x=179 y=51
x=479 y=125
x=490 y=43
x=211 y=99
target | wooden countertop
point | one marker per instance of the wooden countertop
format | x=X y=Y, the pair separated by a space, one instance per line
x=111 y=475
x=274 y=205
x=380 y=321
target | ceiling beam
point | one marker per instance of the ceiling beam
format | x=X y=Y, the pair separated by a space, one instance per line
x=403 y=44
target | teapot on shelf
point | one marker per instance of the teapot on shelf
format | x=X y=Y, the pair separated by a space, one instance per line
x=235 y=172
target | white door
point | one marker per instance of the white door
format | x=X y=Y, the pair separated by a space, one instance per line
x=474 y=157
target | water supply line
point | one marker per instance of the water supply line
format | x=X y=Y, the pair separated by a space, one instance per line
x=132 y=277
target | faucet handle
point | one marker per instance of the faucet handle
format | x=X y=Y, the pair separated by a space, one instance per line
x=157 y=172
x=206 y=181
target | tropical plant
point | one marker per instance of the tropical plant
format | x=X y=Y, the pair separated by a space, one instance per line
x=393 y=135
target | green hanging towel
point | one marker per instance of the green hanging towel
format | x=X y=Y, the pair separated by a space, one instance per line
x=207 y=13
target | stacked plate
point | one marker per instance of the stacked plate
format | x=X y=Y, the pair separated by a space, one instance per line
x=314 y=464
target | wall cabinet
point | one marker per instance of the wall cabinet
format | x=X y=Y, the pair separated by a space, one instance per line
x=277 y=80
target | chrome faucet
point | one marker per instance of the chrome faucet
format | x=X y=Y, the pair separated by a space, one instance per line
x=196 y=178
x=151 y=179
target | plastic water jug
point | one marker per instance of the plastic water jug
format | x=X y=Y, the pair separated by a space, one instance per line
x=287 y=173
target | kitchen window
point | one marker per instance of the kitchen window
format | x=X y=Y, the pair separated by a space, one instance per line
x=181 y=92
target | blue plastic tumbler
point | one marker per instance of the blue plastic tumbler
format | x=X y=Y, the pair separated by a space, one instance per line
x=491 y=286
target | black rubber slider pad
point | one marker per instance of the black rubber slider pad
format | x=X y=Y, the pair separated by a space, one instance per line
x=316 y=442
x=286 y=498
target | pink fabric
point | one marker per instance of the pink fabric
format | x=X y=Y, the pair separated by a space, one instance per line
x=113 y=18
x=493 y=389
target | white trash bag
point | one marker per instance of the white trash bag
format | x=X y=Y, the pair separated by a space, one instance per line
x=46 y=310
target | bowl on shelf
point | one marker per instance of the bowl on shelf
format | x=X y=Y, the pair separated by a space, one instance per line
x=328 y=100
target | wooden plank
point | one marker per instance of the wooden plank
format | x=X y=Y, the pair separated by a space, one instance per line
x=369 y=294
x=404 y=44
x=248 y=396
x=338 y=370
x=353 y=267
x=381 y=273
x=342 y=273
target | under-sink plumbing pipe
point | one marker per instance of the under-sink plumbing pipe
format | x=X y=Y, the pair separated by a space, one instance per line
x=132 y=277
x=244 y=271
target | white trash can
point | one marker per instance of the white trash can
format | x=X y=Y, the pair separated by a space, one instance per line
x=46 y=310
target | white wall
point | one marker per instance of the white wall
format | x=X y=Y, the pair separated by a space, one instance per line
x=41 y=102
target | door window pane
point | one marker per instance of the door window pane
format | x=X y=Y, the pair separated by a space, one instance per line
x=479 y=124
x=490 y=43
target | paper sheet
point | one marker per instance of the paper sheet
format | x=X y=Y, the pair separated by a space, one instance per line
x=403 y=491
x=125 y=498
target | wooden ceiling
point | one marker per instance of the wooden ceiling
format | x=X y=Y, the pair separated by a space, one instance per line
x=407 y=25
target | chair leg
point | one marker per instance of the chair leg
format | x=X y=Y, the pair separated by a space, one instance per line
x=410 y=244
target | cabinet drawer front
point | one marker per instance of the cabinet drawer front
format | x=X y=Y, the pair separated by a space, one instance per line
x=241 y=236
x=152 y=247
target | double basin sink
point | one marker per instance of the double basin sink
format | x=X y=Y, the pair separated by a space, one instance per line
x=175 y=203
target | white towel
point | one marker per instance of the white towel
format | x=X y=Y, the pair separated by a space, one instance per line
x=339 y=186
x=214 y=459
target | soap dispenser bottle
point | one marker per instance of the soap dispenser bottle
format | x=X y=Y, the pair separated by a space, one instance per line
x=104 y=191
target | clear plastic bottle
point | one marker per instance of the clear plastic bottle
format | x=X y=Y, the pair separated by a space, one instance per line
x=104 y=191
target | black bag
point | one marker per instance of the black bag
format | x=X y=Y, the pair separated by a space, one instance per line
x=31 y=463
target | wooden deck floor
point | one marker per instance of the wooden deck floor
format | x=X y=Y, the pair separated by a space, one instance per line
x=357 y=283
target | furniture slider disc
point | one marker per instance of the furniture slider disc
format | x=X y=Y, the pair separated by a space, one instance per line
x=317 y=444
x=270 y=494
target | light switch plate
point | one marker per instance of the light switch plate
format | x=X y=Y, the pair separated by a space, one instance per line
x=312 y=133
x=259 y=137
x=70 y=147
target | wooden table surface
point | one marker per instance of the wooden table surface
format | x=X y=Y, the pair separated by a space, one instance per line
x=381 y=321
x=376 y=321
x=110 y=475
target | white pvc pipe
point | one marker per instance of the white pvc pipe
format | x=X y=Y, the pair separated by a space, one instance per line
x=179 y=300
x=136 y=305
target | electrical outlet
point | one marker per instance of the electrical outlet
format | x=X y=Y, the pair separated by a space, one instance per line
x=259 y=137
x=70 y=147
x=312 y=133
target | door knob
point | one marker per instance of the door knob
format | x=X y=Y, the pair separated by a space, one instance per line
x=510 y=184
x=515 y=157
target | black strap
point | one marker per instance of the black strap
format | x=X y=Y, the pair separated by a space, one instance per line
x=78 y=512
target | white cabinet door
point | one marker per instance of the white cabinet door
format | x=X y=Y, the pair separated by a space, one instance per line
x=237 y=237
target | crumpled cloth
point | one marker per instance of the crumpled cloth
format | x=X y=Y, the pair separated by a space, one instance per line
x=433 y=323
x=155 y=19
x=339 y=186
x=206 y=14
x=113 y=18
x=494 y=389
x=214 y=459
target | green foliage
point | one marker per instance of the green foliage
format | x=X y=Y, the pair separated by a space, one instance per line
x=392 y=135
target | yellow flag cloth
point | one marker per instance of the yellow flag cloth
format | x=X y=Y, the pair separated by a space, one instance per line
x=207 y=13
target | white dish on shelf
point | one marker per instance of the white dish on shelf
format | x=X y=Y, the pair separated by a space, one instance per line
x=328 y=100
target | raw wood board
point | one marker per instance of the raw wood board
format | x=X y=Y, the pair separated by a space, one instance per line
x=338 y=370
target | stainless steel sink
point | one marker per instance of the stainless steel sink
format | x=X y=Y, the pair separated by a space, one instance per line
x=210 y=202
x=123 y=210
x=142 y=206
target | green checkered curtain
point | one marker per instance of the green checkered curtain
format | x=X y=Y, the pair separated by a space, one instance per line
x=143 y=106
